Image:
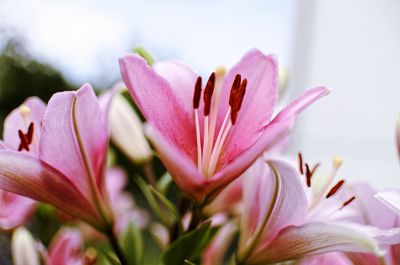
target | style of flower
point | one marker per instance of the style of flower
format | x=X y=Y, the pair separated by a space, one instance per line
x=22 y=133
x=209 y=135
x=69 y=170
x=279 y=222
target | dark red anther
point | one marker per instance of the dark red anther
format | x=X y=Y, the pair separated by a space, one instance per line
x=23 y=144
x=347 y=202
x=301 y=170
x=26 y=139
x=197 y=93
x=240 y=95
x=308 y=175
x=234 y=89
x=208 y=92
x=335 y=188
x=29 y=134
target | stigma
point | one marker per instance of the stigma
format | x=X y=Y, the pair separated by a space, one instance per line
x=211 y=142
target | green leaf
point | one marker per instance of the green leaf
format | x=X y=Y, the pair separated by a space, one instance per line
x=110 y=257
x=132 y=245
x=154 y=205
x=189 y=246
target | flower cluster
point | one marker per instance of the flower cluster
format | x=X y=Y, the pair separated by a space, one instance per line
x=210 y=187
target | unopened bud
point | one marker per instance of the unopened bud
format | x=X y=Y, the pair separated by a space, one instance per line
x=127 y=131
x=23 y=248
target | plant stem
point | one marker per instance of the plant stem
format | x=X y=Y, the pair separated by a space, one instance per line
x=112 y=239
x=197 y=217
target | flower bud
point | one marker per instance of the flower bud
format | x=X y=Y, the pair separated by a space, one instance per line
x=127 y=131
x=23 y=248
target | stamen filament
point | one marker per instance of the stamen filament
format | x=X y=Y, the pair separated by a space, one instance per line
x=220 y=138
x=199 y=156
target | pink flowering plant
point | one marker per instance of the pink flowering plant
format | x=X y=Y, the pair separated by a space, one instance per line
x=171 y=167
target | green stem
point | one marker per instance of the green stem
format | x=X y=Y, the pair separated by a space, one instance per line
x=197 y=217
x=115 y=246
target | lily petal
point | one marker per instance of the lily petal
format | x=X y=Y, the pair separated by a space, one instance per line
x=28 y=176
x=186 y=174
x=268 y=202
x=315 y=238
x=391 y=198
x=327 y=259
x=74 y=137
x=261 y=72
x=32 y=110
x=158 y=103
x=181 y=79
x=372 y=209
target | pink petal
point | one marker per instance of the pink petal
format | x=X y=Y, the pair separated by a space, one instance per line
x=261 y=72
x=327 y=259
x=271 y=134
x=372 y=209
x=315 y=238
x=15 y=210
x=364 y=259
x=28 y=176
x=159 y=104
x=181 y=168
x=391 y=199
x=70 y=115
x=15 y=121
x=66 y=248
x=269 y=194
x=302 y=102
x=181 y=79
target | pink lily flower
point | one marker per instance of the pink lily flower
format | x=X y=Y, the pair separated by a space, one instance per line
x=69 y=172
x=22 y=133
x=278 y=222
x=206 y=140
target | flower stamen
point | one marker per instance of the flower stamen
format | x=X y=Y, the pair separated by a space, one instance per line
x=26 y=138
x=335 y=189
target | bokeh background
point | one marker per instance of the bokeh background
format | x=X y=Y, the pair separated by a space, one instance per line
x=352 y=46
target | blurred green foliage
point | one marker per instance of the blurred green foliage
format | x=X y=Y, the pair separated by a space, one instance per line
x=22 y=76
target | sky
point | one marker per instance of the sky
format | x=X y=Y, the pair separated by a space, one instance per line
x=84 y=39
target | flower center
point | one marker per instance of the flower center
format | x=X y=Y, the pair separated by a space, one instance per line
x=327 y=189
x=209 y=148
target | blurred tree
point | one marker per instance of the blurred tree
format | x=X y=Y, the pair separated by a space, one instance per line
x=21 y=76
